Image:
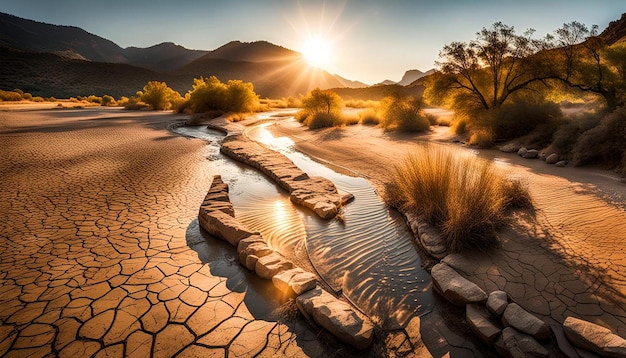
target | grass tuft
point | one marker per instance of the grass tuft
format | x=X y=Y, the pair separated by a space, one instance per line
x=463 y=196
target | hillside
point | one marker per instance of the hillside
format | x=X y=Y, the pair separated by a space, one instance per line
x=164 y=57
x=616 y=31
x=411 y=76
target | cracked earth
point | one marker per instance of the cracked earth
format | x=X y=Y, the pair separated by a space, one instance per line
x=95 y=205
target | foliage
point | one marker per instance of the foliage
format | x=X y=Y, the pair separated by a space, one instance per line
x=158 y=95
x=320 y=109
x=369 y=117
x=462 y=196
x=605 y=142
x=10 y=96
x=108 y=100
x=210 y=94
x=402 y=113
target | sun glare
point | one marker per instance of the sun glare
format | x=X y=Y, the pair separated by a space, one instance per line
x=316 y=52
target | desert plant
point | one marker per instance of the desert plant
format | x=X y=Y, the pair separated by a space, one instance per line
x=320 y=108
x=10 y=96
x=210 y=94
x=604 y=143
x=108 y=100
x=461 y=195
x=403 y=113
x=369 y=117
x=158 y=95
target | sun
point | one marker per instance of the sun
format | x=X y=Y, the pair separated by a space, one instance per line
x=316 y=52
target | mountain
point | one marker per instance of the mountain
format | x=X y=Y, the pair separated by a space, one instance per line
x=386 y=83
x=163 y=57
x=69 y=41
x=615 y=32
x=349 y=83
x=258 y=51
x=411 y=76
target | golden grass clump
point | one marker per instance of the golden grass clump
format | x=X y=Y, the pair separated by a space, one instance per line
x=463 y=196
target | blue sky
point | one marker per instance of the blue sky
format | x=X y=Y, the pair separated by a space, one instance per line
x=368 y=40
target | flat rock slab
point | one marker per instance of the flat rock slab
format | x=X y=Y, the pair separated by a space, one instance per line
x=593 y=337
x=217 y=198
x=481 y=323
x=515 y=344
x=515 y=316
x=431 y=239
x=270 y=265
x=224 y=226
x=454 y=287
x=316 y=193
x=295 y=281
x=337 y=317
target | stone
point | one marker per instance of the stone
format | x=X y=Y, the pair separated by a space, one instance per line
x=303 y=282
x=325 y=210
x=258 y=249
x=282 y=279
x=561 y=163
x=510 y=148
x=268 y=266
x=251 y=261
x=224 y=226
x=531 y=154
x=517 y=317
x=552 y=158
x=515 y=344
x=480 y=322
x=244 y=243
x=593 y=337
x=562 y=344
x=454 y=287
x=522 y=151
x=497 y=302
x=432 y=240
x=337 y=317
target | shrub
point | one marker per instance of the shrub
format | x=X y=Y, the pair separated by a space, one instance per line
x=159 y=96
x=566 y=135
x=10 y=96
x=461 y=195
x=403 y=113
x=108 y=100
x=210 y=94
x=369 y=117
x=320 y=109
x=322 y=120
x=605 y=143
x=94 y=99
x=482 y=138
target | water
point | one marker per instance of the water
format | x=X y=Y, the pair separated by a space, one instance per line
x=369 y=256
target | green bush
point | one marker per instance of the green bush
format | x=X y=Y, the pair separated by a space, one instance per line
x=567 y=134
x=159 y=96
x=463 y=196
x=604 y=143
x=403 y=114
x=321 y=109
x=210 y=94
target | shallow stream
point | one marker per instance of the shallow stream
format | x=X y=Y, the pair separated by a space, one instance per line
x=369 y=256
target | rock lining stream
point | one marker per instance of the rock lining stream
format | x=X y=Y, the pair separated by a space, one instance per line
x=369 y=256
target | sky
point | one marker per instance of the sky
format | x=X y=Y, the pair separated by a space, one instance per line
x=365 y=40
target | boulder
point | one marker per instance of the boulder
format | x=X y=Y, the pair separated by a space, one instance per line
x=517 y=317
x=224 y=226
x=337 y=317
x=497 y=302
x=432 y=240
x=325 y=210
x=515 y=344
x=562 y=344
x=552 y=158
x=561 y=163
x=217 y=198
x=294 y=282
x=510 y=148
x=244 y=243
x=480 y=322
x=593 y=337
x=454 y=287
x=268 y=266
x=531 y=154
x=522 y=151
x=258 y=249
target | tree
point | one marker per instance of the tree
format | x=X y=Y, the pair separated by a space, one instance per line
x=241 y=96
x=158 y=95
x=321 y=101
x=487 y=71
x=210 y=94
x=585 y=63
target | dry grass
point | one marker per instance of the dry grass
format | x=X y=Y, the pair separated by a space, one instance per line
x=463 y=196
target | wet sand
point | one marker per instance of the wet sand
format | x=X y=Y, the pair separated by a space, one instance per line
x=566 y=258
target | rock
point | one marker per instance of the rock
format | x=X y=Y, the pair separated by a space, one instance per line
x=295 y=281
x=497 y=302
x=224 y=226
x=270 y=265
x=561 y=163
x=251 y=261
x=325 y=210
x=522 y=151
x=552 y=158
x=562 y=344
x=542 y=156
x=454 y=287
x=431 y=239
x=517 y=317
x=337 y=317
x=257 y=249
x=531 y=154
x=217 y=198
x=510 y=148
x=480 y=322
x=244 y=243
x=515 y=344
x=594 y=337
